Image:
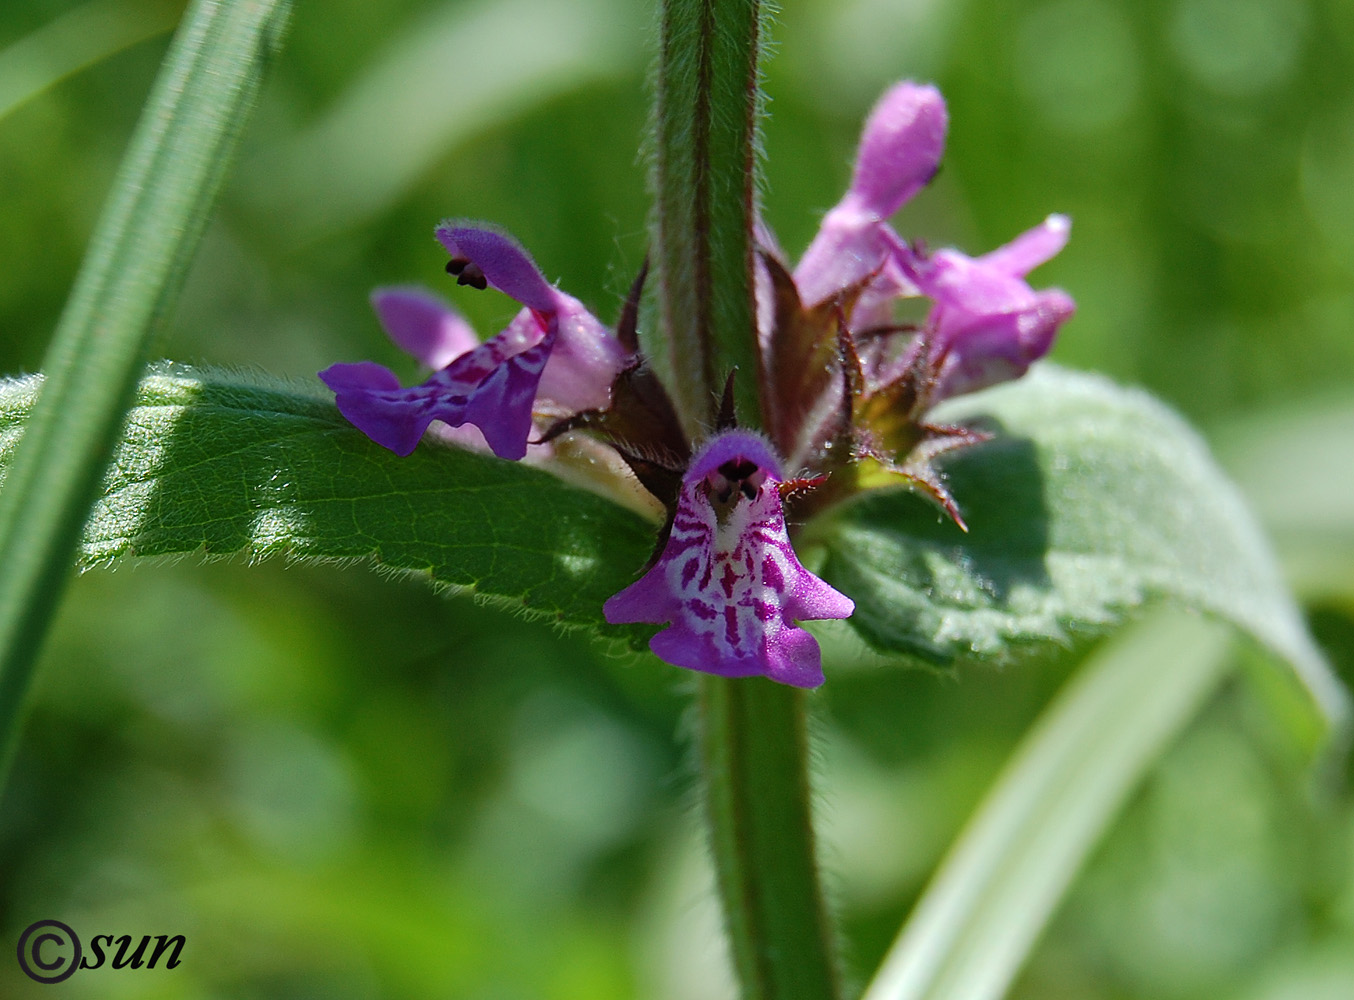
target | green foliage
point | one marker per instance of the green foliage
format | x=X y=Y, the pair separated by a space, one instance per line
x=130 y=278
x=88 y=34
x=336 y=781
x=989 y=900
x=1090 y=501
x=224 y=465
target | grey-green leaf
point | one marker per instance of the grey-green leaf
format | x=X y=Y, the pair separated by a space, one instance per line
x=220 y=464
x=1091 y=500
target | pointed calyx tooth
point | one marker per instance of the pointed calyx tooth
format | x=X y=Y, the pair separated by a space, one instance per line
x=727 y=419
x=627 y=326
x=640 y=420
x=926 y=479
x=801 y=370
x=917 y=467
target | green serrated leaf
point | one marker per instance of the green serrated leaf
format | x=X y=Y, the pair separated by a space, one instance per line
x=222 y=464
x=1091 y=500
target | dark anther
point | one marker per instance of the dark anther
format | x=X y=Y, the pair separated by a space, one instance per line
x=737 y=470
x=467 y=273
x=749 y=490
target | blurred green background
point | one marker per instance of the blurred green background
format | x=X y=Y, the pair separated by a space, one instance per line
x=342 y=785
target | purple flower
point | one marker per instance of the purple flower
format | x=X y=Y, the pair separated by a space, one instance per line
x=728 y=581
x=845 y=390
x=553 y=357
x=899 y=153
x=987 y=324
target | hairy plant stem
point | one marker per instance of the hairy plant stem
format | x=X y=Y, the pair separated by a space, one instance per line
x=705 y=154
x=753 y=733
x=754 y=750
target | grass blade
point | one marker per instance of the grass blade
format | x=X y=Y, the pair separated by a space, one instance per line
x=84 y=36
x=126 y=286
x=987 y=905
x=454 y=71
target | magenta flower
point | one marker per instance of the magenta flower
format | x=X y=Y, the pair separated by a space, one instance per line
x=899 y=153
x=987 y=324
x=553 y=357
x=845 y=390
x=728 y=581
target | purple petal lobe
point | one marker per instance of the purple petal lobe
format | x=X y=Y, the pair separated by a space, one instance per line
x=361 y=376
x=1032 y=247
x=728 y=583
x=899 y=153
x=999 y=348
x=972 y=285
x=423 y=325
x=988 y=325
x=492 y=386
x=501 y=404
x=502 y=261
x=362 y=392
x=900 y=148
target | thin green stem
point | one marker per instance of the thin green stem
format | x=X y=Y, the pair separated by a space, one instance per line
x=126 y=286
x=754 y=748
x=708 y=102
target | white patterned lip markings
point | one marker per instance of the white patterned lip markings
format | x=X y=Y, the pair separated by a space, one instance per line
x=728 y=585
